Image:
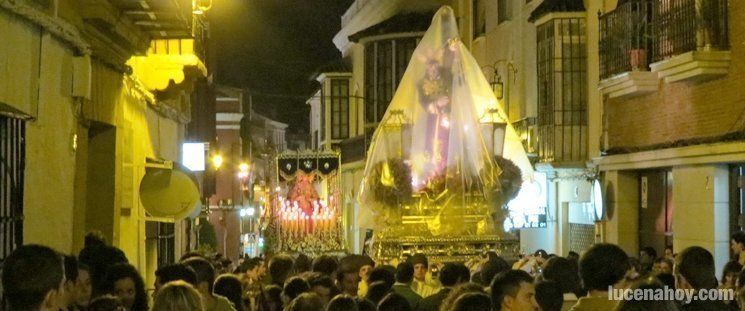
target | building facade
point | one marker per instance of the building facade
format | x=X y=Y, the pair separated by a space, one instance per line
x=672 y=123
x=92 y=94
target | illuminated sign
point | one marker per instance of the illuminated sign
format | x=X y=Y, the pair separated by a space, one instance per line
x=194 y=156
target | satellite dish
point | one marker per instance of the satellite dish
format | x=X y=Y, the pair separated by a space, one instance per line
x=169 y=192
x=598 y=200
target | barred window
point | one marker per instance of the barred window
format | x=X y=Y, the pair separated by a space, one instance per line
x=385 y=64
x=12 y=165
x=164 y=235
x=339 y=108
x=562 y=90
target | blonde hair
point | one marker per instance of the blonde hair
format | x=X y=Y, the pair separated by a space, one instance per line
x=177 y=296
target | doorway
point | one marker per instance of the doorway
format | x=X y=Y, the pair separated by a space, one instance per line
x=655 y=209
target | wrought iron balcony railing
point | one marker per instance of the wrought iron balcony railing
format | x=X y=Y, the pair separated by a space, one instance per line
x=640 y=32
x=625 y=38
x=681 y=26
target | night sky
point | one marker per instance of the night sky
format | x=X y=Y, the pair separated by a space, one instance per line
x=273 y=47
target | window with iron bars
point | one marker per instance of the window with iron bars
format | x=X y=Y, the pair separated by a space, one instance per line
x=339 y=108
x=562 y=90
x=385 y=64
x=164 y=235
x=12 y=165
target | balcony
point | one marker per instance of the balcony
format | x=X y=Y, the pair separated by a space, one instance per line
x=625 y=46
x=691 y=41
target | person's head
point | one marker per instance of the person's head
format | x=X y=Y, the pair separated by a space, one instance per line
x=513 y=290
x=603 y=265
x=189 y=255
x=663 y=265
x=549 y=296
x=632 y=273
x=382 y=274
x=106 y=303
x=404 y=272
x=450 y=275
x=647 y=284
x=305 y=302
x=694 y=269
x=491 y=268
x=322 y=285
x=376 y=291
x=252 y=268
x=472 y=302
x=301 y=263
x=421 y=266
x=94 y=238
x=273 y=297
x=348 y=279
x=325 y=264
x=540 y=256
x=229 y=286
x=394 y=302
x=71 y=281
x=737 y=242
x=342 y=303
x=730 y=272
x=367 y=265
x=123 y=280
x=458 y=291
x=647 y=255
x=33 y=278
x=563 y=272
x=294 y=287
x=365 y=305
x=178 y=296
x=205 y=273
x=83 y=286
x=280 y=268
x=573 y=256
x=174 y=272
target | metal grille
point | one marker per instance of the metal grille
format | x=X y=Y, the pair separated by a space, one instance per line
x=12 y=164
x=164 y=234
x=562 y=91
x=385 y=64
x=339 y=108
x=682 y=26
x=581 y=237
x=622 y=32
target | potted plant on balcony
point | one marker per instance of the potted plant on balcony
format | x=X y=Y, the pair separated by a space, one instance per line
x=637 y=39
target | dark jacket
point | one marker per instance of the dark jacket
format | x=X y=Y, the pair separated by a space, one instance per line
x=432 y=303
x=408 y=293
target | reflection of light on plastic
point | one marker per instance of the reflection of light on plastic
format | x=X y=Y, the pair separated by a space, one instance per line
x=261 y=242
x=445 y=122
x=242 y=213
x=277 y=189
x=250 y=211
x=526 y=205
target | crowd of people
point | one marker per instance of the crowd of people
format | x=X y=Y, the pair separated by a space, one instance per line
x=35 y=277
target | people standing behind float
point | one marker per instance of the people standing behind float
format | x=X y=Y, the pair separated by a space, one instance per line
x=423 y=283
x=451 y=275
x=205 y=280
x=403 y=286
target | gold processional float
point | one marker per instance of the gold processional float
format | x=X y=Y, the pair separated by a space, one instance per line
x=431 y=184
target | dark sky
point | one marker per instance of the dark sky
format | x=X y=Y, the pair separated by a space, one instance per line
x=273 y=47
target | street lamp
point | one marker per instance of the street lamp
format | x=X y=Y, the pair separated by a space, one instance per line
x=498 y=130
x=217 y=161
x=497 y=86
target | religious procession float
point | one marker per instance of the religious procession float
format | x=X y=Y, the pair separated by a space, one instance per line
x=305 y=212
x=433 y=184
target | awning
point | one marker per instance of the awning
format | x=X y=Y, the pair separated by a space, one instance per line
x=169 y=190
